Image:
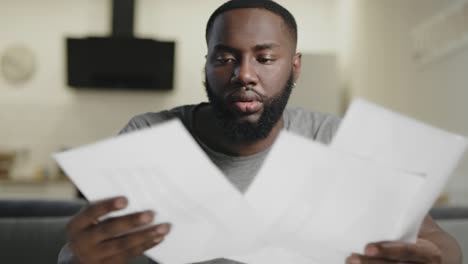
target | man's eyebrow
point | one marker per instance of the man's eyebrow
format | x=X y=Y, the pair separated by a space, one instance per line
x=258 y=47
x=266 y=46
x=222 y=47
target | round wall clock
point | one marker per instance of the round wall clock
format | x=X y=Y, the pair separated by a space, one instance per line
x=17 y=64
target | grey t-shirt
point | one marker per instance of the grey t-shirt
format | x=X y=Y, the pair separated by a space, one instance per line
x=240 y=170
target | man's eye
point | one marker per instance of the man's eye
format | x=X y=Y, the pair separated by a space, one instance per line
x=225 y=60
x=265 y=60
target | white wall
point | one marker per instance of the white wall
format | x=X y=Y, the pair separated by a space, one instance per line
x=374 y=47
x=377 y=63
x=44 y=114
x=318 y=88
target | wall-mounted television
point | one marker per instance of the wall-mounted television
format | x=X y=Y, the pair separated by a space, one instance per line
x=120 y=62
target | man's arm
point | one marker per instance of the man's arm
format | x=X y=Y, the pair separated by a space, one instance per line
x=434 y=246
x=448 y=246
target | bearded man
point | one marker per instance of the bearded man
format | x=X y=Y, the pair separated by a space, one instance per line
x=251 y=69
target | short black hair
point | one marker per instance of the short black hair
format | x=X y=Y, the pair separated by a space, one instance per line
x=269 y=5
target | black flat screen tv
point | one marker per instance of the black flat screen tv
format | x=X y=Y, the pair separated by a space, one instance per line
x=120 y=62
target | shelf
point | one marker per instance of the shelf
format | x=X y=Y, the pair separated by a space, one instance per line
x=41 y=190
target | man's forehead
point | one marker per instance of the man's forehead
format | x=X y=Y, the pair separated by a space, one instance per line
x=254 y=25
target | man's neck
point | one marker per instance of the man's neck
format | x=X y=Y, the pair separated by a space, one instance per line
x=208 y=130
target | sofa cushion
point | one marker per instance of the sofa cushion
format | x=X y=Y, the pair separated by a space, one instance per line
x=31 y=240
x=39 y=208
x=445 y=213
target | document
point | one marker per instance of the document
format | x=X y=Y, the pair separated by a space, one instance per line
x=324 y=204
x=309 y=203
x=378 y=134
x=164 y=169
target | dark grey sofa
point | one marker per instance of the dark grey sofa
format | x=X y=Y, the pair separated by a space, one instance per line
x=34 y=231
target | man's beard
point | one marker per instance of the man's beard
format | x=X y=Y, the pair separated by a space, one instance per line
x=245 y=131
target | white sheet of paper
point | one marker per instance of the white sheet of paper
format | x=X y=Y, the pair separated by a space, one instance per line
x=373 y=132
x=321 y=205
x=163 y=169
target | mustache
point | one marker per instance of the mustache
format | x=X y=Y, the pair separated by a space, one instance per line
x=234 y=88
x=251 y=90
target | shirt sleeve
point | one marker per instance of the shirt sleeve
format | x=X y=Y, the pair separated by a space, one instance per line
x=146 y=120
x=65 y=256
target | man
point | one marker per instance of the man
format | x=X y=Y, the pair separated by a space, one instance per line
x=251 y=68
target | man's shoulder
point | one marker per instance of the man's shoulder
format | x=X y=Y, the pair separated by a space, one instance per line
x=149 y=119
x=315 y=125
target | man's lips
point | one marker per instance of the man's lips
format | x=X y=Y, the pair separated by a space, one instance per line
x=245 y=102
x=248 y=107
x=244 y=96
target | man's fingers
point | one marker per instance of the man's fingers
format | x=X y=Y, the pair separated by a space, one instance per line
x=422 y=251
x=93 y=212
x=134 y=244
x=117 y=226
x=359 y=259
x=114 y=240
x=129 y=254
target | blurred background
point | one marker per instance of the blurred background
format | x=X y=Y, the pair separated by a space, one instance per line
x=409 y=56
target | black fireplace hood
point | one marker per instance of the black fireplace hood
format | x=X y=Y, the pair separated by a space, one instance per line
x=121 y=60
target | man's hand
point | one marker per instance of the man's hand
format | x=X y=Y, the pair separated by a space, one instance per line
x=423 y=251
x=102 y=242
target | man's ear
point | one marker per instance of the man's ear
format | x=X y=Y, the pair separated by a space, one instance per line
x=297 y=63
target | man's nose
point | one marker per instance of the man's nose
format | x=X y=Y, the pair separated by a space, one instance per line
x=246 y=73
